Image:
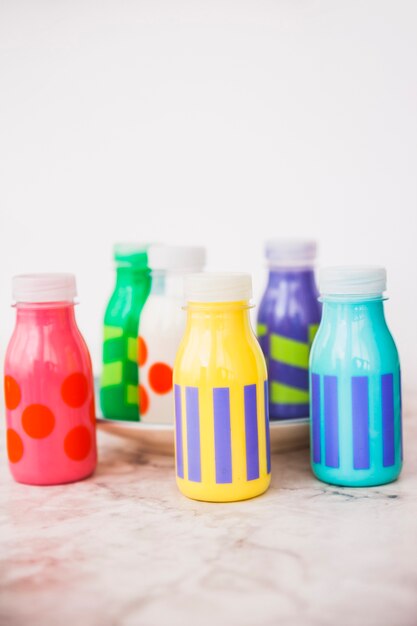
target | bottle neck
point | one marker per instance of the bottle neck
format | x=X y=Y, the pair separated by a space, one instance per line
x=128 y=276
x=300 y=276
x=217 y=316
x=335 y=310
x=59 y=314
x=170 y=284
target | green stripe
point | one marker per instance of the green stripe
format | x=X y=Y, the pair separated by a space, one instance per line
x=111 y=332
x=261 y=330
x=282 y=394
x=131 y=372
x=289 y=351
x=312 y=329
x=132 y=349
x=114 y=350
x=112 y=374
x=132 y=396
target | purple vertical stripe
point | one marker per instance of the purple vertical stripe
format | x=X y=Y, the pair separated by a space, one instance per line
x=251 y=430
x=331 y=421
x=178 y=432
x=222 y=442
x=193 y=434
x=267 y=433
x=401 y=415
x=388 y=438
x=360 y=422
x=315 y=417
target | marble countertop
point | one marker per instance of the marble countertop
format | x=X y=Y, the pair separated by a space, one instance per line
x=125 y=548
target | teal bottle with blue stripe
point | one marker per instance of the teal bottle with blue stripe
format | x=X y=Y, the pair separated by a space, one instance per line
x=355 y=383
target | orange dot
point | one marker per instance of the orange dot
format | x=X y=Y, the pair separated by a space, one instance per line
x=160 y=377
x=11 y=393
x=14 y=446
x=38 y=421
x=77 y=443
x=74 y=390
x=142 y=351
x=92 y=412
x=143 y=400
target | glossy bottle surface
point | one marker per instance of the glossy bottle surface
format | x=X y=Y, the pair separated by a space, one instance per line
x=221 y=408
x=288 y=319
x=119 y=397
x=356 y=436
x=49 y=397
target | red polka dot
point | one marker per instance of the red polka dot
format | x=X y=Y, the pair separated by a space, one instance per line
x=142 y=351
x=14 y=446
x=160 y=377
x=74 y=390
x=38 y=421
x=92 y=412
x=77 y=443
x=11 y=393
x=143 y=400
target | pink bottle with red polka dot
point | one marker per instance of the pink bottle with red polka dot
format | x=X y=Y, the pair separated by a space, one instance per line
x=49 y=395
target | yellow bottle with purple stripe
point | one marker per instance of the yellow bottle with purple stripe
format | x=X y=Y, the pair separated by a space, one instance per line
x=221 y=394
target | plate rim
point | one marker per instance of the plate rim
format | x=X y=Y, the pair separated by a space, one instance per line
x=146 y=426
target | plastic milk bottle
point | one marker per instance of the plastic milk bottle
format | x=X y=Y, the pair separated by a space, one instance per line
x=119 y=379
x=221 y=394
x=288 y=319
x=355 y=399
x=48 y=385
x=162 y=325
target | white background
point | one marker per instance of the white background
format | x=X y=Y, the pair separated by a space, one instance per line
x=219 y=122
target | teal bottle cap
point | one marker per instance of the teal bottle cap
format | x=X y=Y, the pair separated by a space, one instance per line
x=131 y=254
x=356 y=280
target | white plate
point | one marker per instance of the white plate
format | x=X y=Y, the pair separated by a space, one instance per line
x=159 y=438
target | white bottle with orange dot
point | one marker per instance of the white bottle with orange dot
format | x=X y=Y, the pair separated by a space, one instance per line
x=161 y=327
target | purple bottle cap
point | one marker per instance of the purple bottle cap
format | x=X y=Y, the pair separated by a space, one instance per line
x=291 y=252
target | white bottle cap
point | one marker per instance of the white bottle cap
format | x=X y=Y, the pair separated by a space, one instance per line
x=44 y=288
x=353 y=281
x=177 y=258
x=218 y=287
x=291 y=252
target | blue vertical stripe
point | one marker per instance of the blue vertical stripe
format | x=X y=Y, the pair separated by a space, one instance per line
x=222 y=439
x=315 y=417
x=267 y=432
x=331 y=421
x=193 y=434
x=388 y=437
x=360 y=422
x=251 y=432
x=178 y=432
x=401 y=415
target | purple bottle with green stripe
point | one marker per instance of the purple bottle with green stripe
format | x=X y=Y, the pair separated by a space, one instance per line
x=289 y=315
x=356 y=434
